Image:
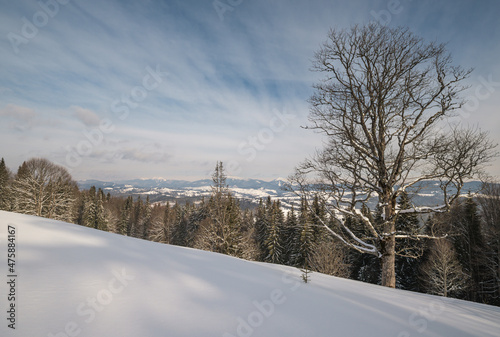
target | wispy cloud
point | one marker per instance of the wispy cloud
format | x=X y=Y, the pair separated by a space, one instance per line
x=86 y=116
x=20 y=118
x=225 y=78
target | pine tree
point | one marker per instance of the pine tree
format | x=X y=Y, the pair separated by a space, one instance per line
x=94 y=215
x=489 y=202
x=274 y=236
x=5 y=194
x=305 y=243
x=168 y=220
x=260 y=232
x=137 y=230
x=125 y=222
x=222 y=234
x=291 y=235
x=147 y=219
x=408 y=251
x=469 y=245
x=179 y=232
x=318 y=218
x=364 y=267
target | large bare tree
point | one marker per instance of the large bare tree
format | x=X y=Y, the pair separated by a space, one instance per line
x=44 y=189
x=382 y=105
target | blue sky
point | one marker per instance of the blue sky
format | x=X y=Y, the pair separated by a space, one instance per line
x=141 y=89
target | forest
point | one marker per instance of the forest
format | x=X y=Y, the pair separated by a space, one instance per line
x=454 y=253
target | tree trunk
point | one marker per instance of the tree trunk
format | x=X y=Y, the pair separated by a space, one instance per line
x=388 y=244
x=388 y=261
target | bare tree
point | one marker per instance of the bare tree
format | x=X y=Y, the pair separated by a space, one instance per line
x=330 y=258
x=44 y=189
x=381 y=106
x=442 y=273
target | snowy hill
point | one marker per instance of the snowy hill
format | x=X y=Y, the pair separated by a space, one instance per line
x=76 y=281
x=251 y=190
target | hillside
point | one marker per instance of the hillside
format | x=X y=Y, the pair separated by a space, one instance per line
x=76 y=281
x=249 y=190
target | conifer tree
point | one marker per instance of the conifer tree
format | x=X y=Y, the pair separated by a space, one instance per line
x=305 y=243
x=138 y=219
x=125 y=222
x=489 y=201
x=407 y=250
x=274 y=237
x=318 y=217
x=179 y=232
x=168 y=220
x=223 y=233
x=364 y=267
x=261 y=230
x=94 y=215
x=290 y=236
x=5 y=194
x=147 y=221
x=469 y=244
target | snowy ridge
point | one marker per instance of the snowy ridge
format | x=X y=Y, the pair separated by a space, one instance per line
x=245 y=189
x=77 y=281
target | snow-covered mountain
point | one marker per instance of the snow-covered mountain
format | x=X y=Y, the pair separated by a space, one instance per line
x=245 y=189
x=162 y=189
x=69 y=280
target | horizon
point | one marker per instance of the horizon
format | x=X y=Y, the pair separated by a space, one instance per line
x=120 y=90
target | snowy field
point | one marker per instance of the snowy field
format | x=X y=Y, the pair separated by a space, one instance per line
x=76 y=281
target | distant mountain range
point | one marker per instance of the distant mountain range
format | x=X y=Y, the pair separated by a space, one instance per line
x=247 y=190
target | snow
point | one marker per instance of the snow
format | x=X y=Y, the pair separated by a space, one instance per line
x=77 y=281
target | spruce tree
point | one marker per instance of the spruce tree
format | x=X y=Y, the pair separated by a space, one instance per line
x=94 y=215
x=408 y=251
x=138 y=219
x=290 y=236
x=168 y=220
x=179 y=230
x=147 y=222
x=5 y=194
x=469 y=245
x=274 y=236
x=318 y=217
x=260 y=232
x=364 y=267
x=305 y=242
x=125 y=222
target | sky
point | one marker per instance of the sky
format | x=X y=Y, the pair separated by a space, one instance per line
x=117 y=90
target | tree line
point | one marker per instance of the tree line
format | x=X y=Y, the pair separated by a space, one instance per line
x=464 y=263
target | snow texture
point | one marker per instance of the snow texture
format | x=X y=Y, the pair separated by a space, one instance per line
x=77 y=281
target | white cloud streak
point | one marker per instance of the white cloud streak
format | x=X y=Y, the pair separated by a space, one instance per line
x=224 y=80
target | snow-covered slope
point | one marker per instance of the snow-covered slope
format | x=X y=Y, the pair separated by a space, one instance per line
x=76 y=281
